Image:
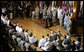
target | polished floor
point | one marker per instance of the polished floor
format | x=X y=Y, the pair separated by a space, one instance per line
x=37 y=28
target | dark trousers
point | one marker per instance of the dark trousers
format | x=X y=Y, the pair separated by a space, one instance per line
x=27 y=14
x=50 y=22
x=46 y=25
x=40 y=15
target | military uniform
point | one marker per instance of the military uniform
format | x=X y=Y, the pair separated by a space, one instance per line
x=37 y=12
x=69 y=22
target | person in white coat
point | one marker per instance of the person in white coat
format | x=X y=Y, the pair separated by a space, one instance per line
x=42 y=42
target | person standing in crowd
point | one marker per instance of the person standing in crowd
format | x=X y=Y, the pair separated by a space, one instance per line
x=61 y=19
x=44 y=11
x=58 y=14
x=48 y=10
x=37 y=12
x=46 y=20
x=54 y=13
x=65 y=21
x=69 y=23
x=11 y=11
x=50 y=19
x=41 y=12
x=27 y=10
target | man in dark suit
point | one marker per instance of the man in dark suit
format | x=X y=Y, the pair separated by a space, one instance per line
x=50 y=19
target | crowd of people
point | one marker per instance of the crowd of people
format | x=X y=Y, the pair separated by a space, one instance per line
x=54 y=13
x=24 y=40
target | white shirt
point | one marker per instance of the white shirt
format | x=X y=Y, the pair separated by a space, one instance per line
x=37 y=10
x=32 y=40
x=59 y=12
x=8 y=22
x=69 y=22
x=3 y=19
x=26 y=35
x=18 y=40
x=27 y=46
x=21 y=43
x=47 y=45
x=68 y=37
x=42 y=42
x=48 y=11
x=13 y=37
x=20 y=31
x=55 y=43
x=61 y=16
x=77 y=42
x=76 y=50
x=3 y=10
x=65 y=45
x=17 y=28
x=65 y=20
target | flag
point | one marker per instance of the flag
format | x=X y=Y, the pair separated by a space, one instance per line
x=64 y=4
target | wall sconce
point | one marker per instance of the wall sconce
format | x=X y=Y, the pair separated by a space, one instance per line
x=74 y=10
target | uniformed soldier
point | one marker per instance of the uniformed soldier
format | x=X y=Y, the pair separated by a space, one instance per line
x=61 y=19
x=37 y=12
x=54 y=14
x=59 y=12
x=44 y=11
x=46 y=20
x=41 y=12
x=50 y=19
x=65 y=20
x=27 y=10
x=69 y=22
